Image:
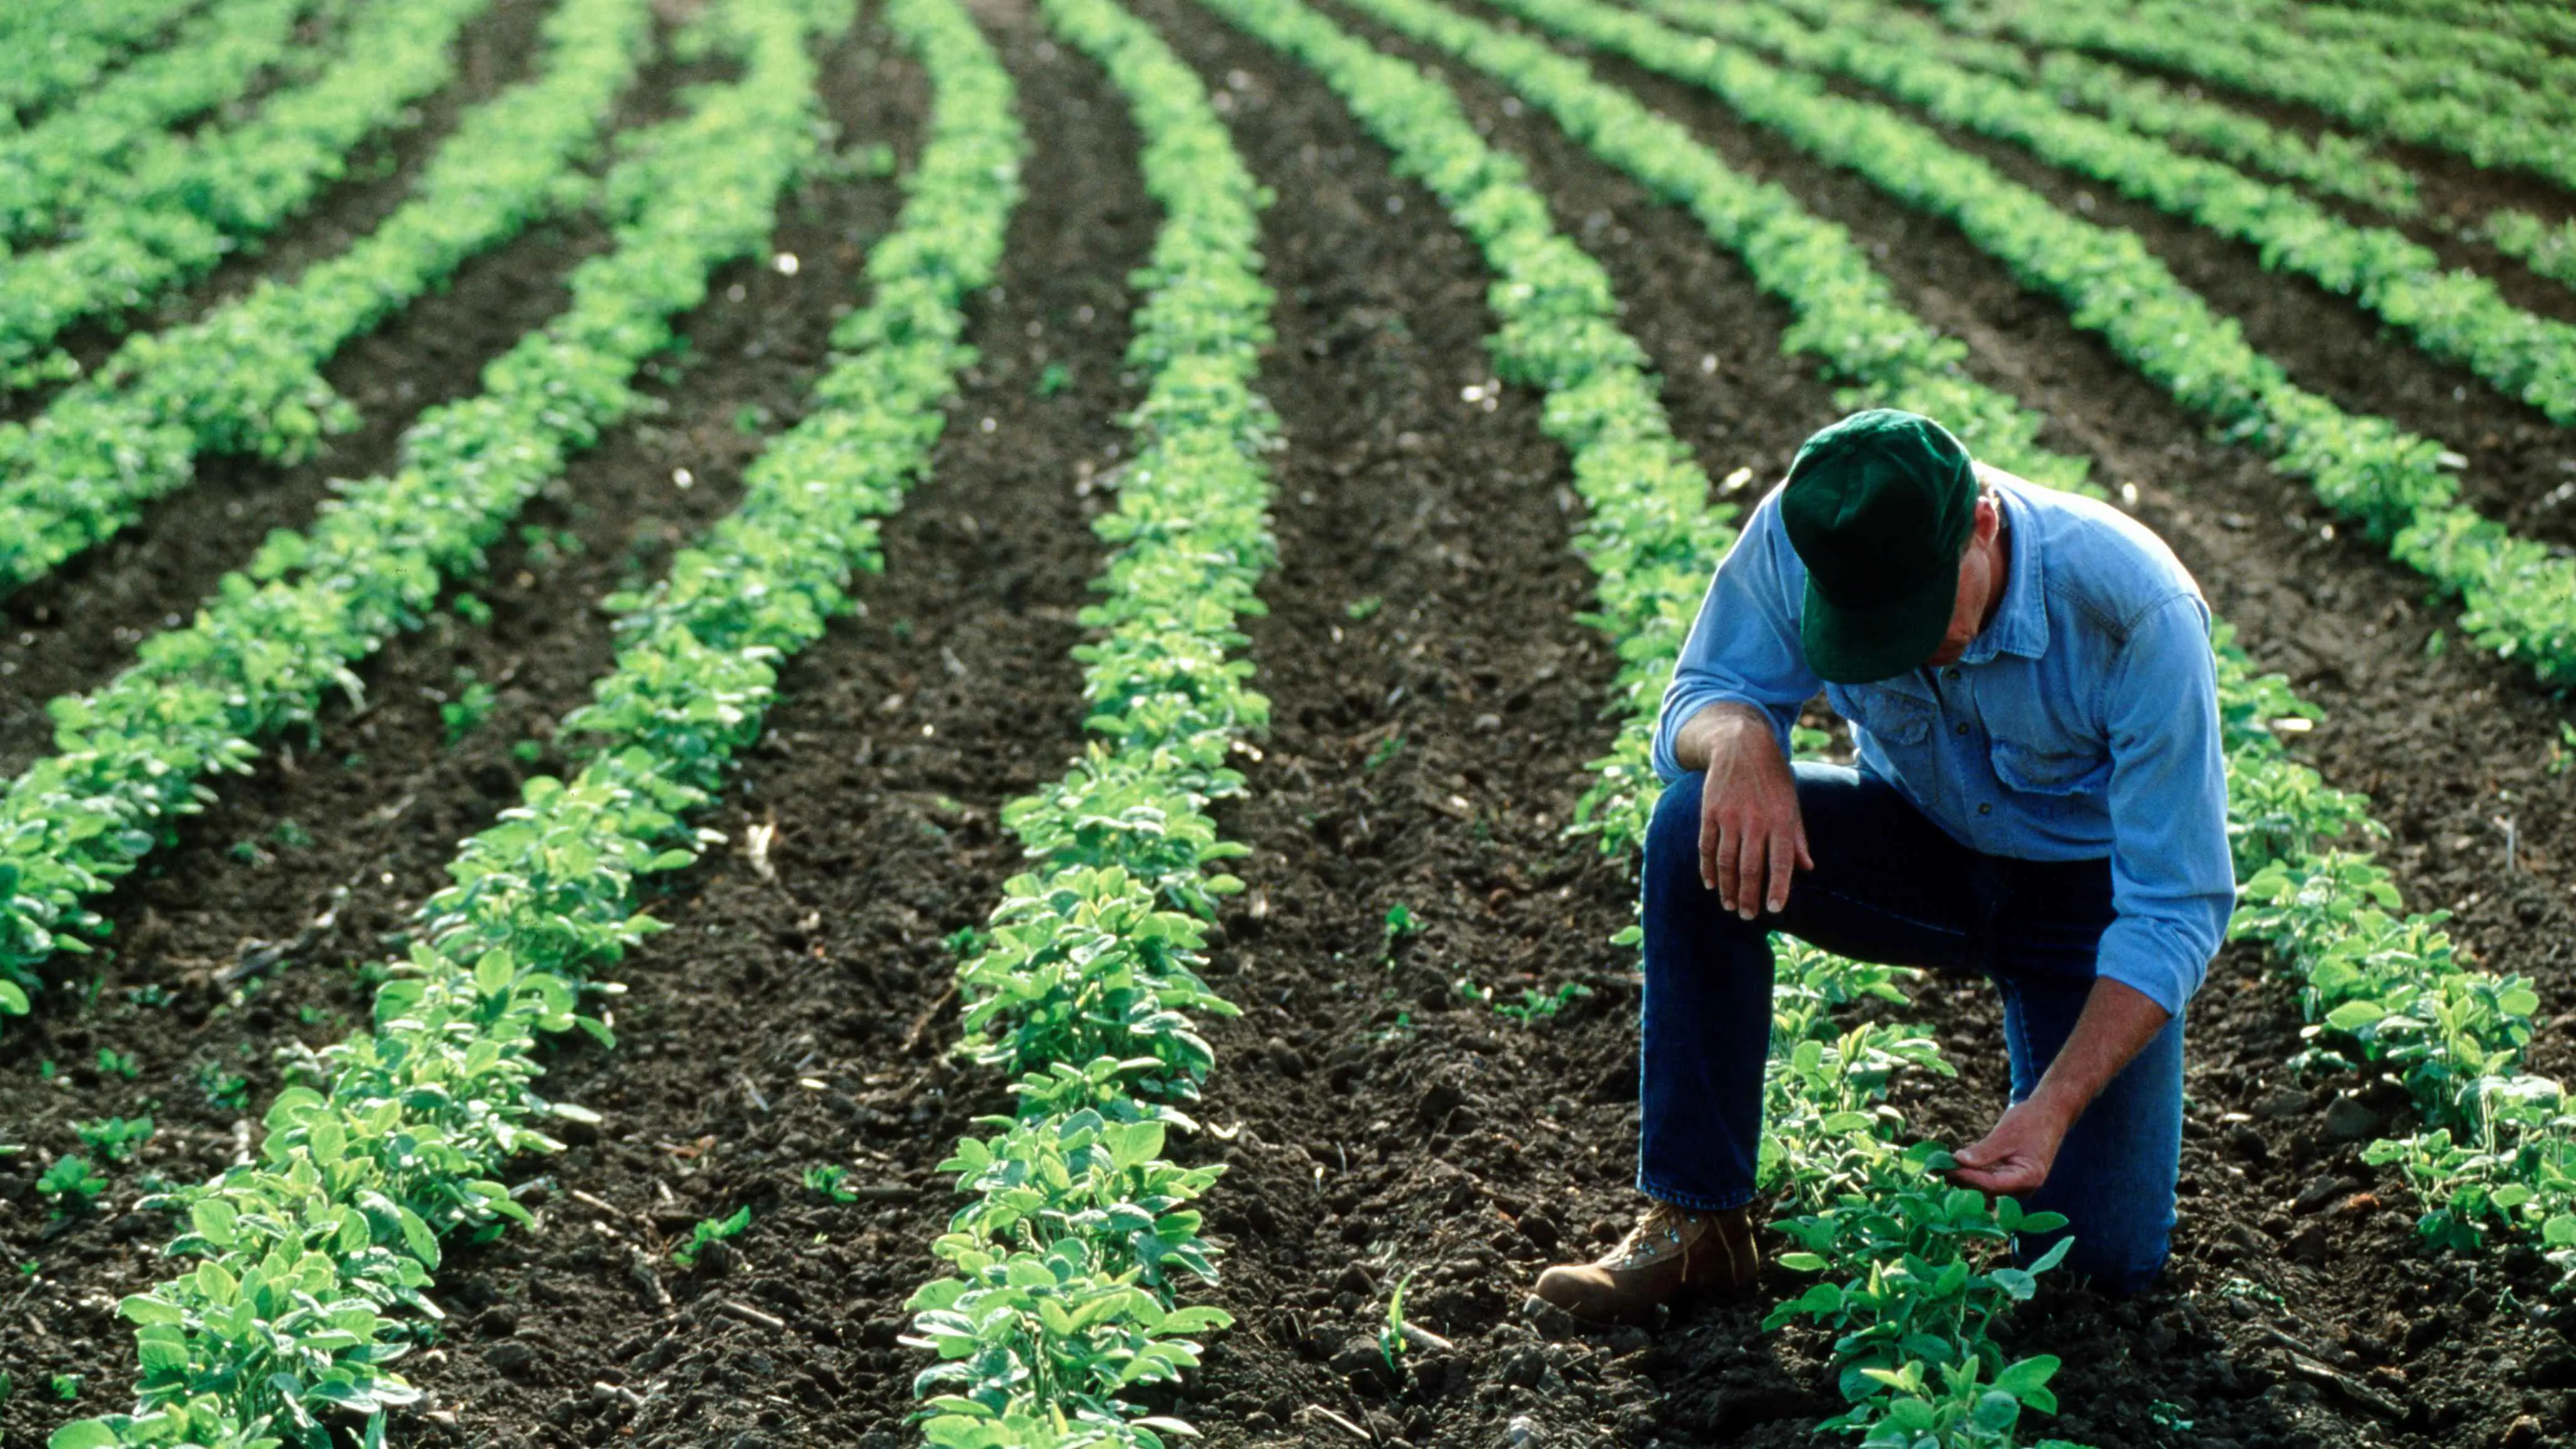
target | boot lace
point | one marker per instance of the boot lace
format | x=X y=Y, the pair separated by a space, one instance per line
x=1659 y=1231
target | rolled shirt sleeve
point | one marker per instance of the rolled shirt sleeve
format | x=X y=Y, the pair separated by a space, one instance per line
x=1744 y=648
x=2173 y=884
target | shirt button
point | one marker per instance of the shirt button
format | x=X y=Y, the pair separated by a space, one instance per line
x=1949 y=673
x=1963 y=727
x=1986 y=809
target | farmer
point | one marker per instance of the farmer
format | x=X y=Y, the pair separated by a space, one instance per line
x=2040 y=798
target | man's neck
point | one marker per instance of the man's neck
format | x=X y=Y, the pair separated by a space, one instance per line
x=1998 y=570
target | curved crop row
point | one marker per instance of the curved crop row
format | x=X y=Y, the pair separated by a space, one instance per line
x=2520 y=598
x=48 y=170
x=1063 y=1262
x=394 y=1139
x=2474 y=46
x=2459 y=317
x=2330 y=162
x=264 y=651
x=2534 y=19
x=53 y=48
x=159 y=226
x=1647 y=539
x=2548 y=250
x=2425 y=100
x=248 y=376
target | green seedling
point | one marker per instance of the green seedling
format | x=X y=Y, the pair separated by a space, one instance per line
x=1384 y=751
x=118 y=1064
x=114 y=1139
x=467 y=712
x=72 y=1184
x=66 y=1387
x=1400 y=925
x=831 y=1180
x=224 y=1088
x=1053 y=378
x=472 y=610
x=549 y=546
x=1362 y=609
x=751 y=420
x=1537 y=1005
x=710 y=1230
x=2562 y=751
x=1390 y=1336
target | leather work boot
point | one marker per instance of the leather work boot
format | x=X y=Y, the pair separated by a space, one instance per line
x=1672 y=1252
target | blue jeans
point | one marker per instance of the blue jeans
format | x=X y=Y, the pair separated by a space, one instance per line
x=1891 y=887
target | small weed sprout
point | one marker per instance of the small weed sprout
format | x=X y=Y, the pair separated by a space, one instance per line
x=710 y=1230
x=72 y=1184
x=1053 y=378
x=119 y=1064
x=830 y=1179
x=472 y=610
x=114 y=1139
x=1401 y=924
x=1361 y=610
x=1390 y=1337
x=229 y=1090
x=66 y=1387
x=466 y=713
x=1384 y=753
x=1537 y=1005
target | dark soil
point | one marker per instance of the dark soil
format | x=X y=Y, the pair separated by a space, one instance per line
x=243 y=938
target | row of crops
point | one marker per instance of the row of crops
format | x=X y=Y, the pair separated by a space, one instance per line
x=150 y=141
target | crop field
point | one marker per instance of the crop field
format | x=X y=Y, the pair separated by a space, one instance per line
x=733 y=724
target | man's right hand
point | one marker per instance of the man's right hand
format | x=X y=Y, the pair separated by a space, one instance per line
x=1751 y=837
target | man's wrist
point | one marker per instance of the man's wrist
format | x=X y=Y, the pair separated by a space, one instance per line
x=2058 y=1104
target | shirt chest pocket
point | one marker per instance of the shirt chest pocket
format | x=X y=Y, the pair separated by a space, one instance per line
x=1893 y=719
x=2069 y=768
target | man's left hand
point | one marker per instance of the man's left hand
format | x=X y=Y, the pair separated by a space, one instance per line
x=2014 y=1159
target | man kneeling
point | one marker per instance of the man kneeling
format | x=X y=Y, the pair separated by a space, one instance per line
x=2040 y=798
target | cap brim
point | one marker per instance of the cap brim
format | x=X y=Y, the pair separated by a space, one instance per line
x=1862 y=646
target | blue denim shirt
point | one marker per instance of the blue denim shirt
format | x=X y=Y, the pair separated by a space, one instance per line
x=2082 y=722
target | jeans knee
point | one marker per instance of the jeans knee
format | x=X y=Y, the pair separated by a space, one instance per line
x=1672 y=837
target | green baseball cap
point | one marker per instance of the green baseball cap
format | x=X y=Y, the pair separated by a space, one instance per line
x=1879 y=507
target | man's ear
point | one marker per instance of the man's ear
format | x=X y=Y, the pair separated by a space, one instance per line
x=1989 y=520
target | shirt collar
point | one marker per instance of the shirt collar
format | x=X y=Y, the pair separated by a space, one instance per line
x=2020 y=625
